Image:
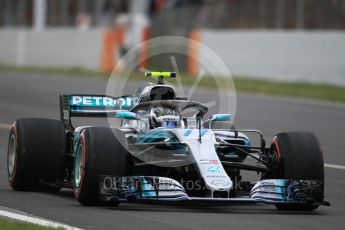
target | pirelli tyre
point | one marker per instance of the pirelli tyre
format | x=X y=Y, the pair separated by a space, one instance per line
x=299 y=157
x=36 y=151
x=99 y=151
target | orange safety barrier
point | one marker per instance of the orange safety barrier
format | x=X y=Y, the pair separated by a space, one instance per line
x=113 y=39
x=108 y=51
x=194 y=52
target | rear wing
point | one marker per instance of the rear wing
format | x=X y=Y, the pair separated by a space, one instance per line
x=80 y=105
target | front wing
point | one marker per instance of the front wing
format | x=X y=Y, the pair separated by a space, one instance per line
x=166 y=190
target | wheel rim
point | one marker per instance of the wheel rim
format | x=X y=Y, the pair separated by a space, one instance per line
x=78 y=166
x=11 y=157
x=277 y=161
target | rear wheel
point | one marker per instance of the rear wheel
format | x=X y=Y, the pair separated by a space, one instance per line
x=100 y=151
x=36 y=151
x=299 y=157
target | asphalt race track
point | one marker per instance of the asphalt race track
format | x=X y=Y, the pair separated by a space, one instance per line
x=33 y=95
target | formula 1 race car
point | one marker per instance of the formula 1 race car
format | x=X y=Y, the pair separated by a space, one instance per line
x=164 y=151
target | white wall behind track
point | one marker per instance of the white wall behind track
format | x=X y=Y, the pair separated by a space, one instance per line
x=52 y=47
x=315 y=56
x=297 y=55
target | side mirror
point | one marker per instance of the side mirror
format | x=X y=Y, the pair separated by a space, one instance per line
x=125 y=115
x=220 y=117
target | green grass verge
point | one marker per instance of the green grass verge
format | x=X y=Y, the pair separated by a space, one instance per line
x=295 y=89
x=6 y=224
x=242 y=83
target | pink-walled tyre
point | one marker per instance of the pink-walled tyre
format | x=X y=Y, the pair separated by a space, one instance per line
x=299 y=158
x=36 y=151
x=99 y=151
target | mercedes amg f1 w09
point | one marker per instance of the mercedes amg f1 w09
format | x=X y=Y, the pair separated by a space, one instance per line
x=164 y=151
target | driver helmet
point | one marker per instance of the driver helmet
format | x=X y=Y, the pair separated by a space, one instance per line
x=164 y=117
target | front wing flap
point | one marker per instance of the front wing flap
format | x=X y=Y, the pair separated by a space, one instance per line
x=166 y=190
x=288 y=191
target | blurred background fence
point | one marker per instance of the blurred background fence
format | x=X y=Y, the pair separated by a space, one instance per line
x=176 y=14
x=301 y=40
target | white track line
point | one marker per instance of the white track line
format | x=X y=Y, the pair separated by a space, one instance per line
x=35 y=220
x=334 y=166
x=5 y=126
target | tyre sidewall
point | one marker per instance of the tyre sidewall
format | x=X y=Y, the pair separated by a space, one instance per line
x=103 y=154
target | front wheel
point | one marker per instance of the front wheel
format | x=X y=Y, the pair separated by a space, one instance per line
x=299 y=157
x=99 y=151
